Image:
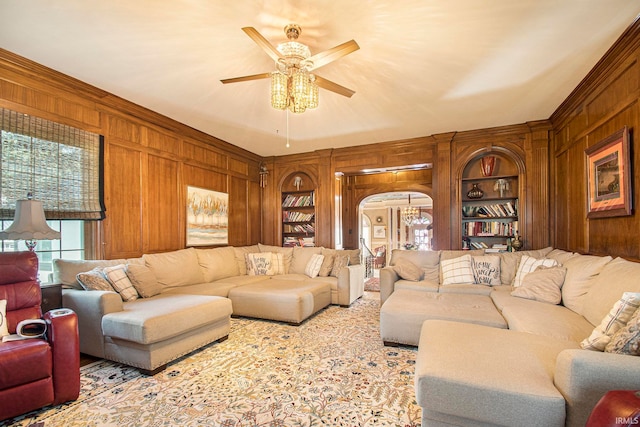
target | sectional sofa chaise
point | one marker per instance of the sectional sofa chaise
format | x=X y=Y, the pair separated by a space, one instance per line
x=156 y=308
x=538 y=343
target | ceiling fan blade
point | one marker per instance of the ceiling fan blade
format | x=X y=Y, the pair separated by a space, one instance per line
x=263 y=43
x=323 y=58
x=246 y=78
x=334 y=87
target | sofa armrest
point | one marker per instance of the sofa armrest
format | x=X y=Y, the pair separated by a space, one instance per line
x=584 y=376
x=90 y=307
x=350 y=284
x=62 y=334
x=388 y=279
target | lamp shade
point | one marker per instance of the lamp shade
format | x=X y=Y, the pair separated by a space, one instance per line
x=29 y=223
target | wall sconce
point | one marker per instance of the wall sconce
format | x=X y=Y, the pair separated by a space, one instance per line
x=263 y=175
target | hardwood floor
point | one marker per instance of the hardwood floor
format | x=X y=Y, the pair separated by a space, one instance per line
x=85 y=359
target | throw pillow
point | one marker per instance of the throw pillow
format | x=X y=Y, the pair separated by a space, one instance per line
x=627 y=339
x=486 y=270
x=528 y=264
x=277 y=261
x=543 y=284
x=117 y=276
x=457 y=270
x=260 y=264
x=144 y=280
x=339 y=263
x=313 y=266
x=4 y=328
x=327 y=263
x=408 y=270
x=94 y=280
x=615 y=320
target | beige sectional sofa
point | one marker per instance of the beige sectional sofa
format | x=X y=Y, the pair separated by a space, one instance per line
x=544 y=365
x=184 y=297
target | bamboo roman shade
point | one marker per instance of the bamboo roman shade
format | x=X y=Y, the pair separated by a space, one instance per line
x=60 y=165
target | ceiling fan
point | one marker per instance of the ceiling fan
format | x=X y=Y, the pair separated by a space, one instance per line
x=292 y=84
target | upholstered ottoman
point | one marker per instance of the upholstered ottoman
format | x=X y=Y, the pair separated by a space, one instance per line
x=402 y=314
x=289 y=301
x=473 y=375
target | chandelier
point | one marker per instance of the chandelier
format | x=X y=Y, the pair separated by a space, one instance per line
x=292 y=86
x=409 y=214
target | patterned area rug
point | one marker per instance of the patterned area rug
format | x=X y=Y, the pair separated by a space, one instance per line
x=332 y=370
x=372 y=285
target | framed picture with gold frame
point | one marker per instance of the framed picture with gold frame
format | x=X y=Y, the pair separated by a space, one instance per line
x=609 y=177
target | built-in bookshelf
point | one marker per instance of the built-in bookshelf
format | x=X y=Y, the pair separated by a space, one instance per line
x=490 y=206
x=298 y=218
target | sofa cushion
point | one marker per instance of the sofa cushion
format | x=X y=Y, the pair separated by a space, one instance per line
x=486 y=270
x=151 y=320
x=176 y=268
x=581 y=269
x=543 y=284
x=528 y=264
x=457 y=270
x=509 y=262
x=218 y=263
x=539 y=318
x=560 y=255
x=241 y=260
x=419 y=258
x=615 y=320
x=65 y=271
x=421 y=285
x=287 y=254
x=627 y=339
x=408 y=270
x=144 y=280
x=313 y=266
x=449 y=255
x=301 y=257
x=117 y=277
x=615 y=278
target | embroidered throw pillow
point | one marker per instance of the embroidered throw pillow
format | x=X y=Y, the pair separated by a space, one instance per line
x=457 y=270
x=117 y=277
x=339 y=263
x=486 y=270
x=528 y=264
x=260 y=264
x=313 y=266
x=615 y=320
x=143 y=279
x=543 y=284
x=94 y=280
x=627 y=339
x=408 y=270
x=4 y=328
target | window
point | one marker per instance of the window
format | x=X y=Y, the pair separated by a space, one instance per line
x=70 y=246
x=60 y=166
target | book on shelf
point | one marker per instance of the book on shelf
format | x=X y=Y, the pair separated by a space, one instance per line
x=302 y=200
x=490 y=228
x=298 y=241
x=295 y=216
x=507 y=209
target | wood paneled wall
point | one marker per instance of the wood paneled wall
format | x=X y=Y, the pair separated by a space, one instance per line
x=149 y=161
x=604 y=102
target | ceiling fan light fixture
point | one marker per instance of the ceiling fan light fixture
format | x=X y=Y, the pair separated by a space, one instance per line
x=313 y=93
x=279 y=90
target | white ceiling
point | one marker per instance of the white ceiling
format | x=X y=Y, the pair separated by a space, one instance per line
x=424 y=66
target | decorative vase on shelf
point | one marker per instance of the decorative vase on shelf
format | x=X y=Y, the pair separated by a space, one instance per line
x=487 y=163
x=475 y=192
x=516 y=243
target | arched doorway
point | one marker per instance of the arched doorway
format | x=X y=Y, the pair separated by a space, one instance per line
x=384 y=225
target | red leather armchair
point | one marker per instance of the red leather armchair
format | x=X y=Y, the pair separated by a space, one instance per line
x=35 y=372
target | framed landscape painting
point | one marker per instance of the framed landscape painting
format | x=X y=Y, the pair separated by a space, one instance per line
x=207 y=217
x=609 y=176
